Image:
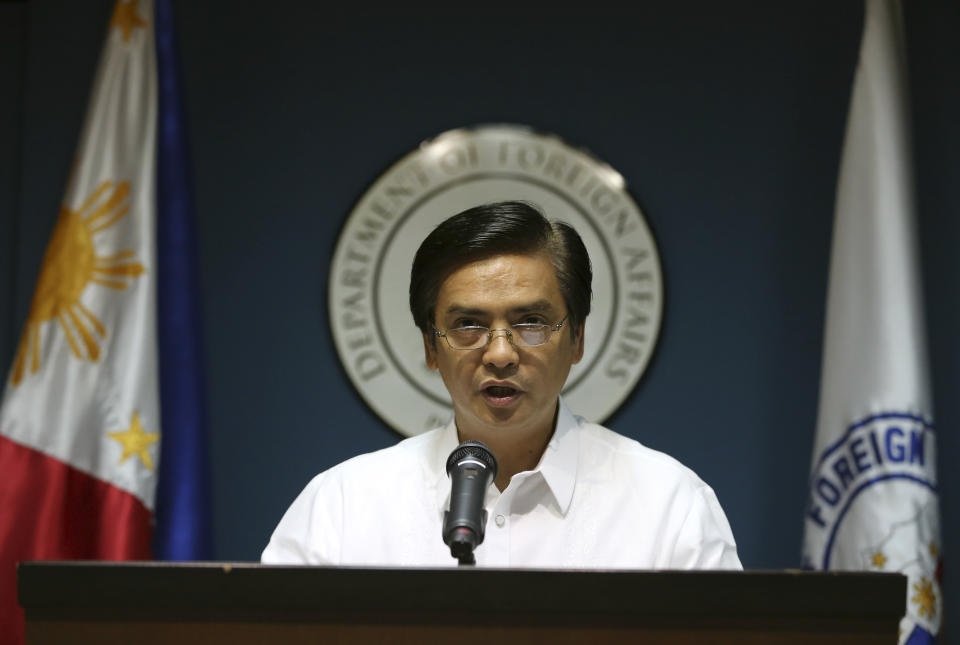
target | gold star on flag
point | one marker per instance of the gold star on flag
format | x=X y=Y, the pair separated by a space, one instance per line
x=135 y=441
x=879 y=560
x=125 y=17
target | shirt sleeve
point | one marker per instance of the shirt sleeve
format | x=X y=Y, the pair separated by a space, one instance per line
x=310 y=531
x=705 y=540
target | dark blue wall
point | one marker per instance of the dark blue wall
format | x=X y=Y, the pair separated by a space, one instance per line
x=13 y=21
x=726 y=120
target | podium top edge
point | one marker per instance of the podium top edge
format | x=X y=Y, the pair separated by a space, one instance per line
x=239 y=565
x=84 y=586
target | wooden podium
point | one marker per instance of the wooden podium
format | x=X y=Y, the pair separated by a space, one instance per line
x=210 y=603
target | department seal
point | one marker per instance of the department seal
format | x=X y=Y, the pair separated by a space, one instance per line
x=373 y=331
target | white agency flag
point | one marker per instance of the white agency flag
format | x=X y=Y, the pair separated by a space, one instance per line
x=873 y=486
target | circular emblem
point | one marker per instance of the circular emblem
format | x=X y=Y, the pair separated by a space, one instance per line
x=380 y=347
x=874 y=507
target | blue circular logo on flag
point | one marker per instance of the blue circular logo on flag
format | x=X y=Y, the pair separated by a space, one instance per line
x=874 y=507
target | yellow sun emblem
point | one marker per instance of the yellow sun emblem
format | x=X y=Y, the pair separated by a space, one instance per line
x=925 y=597
x=69 y=265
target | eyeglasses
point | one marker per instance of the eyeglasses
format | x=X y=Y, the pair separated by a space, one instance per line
x=520 y=335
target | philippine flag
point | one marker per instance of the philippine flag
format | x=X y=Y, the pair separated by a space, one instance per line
x=80 y=419
x=873 y=485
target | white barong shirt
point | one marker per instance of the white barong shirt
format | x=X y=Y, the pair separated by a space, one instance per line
x=596 y=500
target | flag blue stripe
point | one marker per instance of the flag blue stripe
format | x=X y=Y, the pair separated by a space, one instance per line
x=920 y=636
x=182 y=499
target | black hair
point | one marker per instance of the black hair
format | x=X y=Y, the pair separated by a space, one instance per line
x=495 y=229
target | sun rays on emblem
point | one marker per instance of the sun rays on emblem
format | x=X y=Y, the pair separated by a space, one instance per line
x=71 y=264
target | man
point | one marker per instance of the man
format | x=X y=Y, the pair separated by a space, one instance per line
x=501 y=295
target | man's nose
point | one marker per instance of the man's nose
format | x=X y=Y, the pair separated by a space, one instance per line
x=500 y=351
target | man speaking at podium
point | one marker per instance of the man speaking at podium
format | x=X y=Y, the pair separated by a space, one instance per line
x=501 y=295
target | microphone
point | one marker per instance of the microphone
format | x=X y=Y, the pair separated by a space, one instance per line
x=471 y=467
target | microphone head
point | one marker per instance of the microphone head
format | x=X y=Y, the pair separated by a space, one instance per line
x=472 y=449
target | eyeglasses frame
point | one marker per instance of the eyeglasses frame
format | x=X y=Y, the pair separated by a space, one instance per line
x=509 y=332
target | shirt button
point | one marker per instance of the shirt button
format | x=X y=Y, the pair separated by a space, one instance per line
x=500 y=520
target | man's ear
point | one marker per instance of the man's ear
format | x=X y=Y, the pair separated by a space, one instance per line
x=578 y=342
x=430 y=350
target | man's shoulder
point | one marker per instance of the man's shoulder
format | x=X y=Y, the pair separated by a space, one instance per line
x=403 y=458
x=371 y=489
x=606 y=448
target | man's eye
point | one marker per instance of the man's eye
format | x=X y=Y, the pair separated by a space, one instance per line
x=533 y=320
x=466 y=322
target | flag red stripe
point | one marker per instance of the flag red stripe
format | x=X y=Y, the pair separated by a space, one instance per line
x=52 y=511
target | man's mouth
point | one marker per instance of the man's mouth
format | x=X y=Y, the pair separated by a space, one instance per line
x=501 y=395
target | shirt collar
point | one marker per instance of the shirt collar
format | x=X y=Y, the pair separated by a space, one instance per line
x=558 y=465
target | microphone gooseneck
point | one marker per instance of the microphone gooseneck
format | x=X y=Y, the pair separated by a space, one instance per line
x=471 y=468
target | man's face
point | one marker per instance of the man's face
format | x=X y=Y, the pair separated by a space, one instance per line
x=504 y=388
